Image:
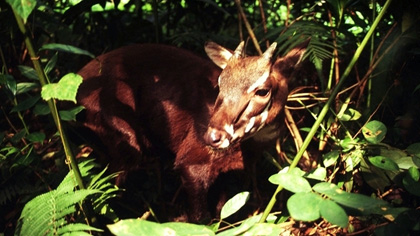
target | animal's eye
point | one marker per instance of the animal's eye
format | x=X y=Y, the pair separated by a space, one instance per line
x=262 y=92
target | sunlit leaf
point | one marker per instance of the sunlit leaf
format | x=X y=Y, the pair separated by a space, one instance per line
x=23 y=7
x=65 y=89
x=333 y=213
x=362 y=203
x=234 y=204
x=319 y=173
x=139 y=227
x=293 y=183
x=374 y=131
x=349 y=114
x=414 y=173
x=188 y=229
x=330 y=158
x=304 y=206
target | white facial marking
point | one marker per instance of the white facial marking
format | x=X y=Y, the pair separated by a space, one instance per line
x=259 y=82
x=229 y=129
x=213 y=135
x=225 y=144
x=264 y=114
x=218 y=81
x=250 y=124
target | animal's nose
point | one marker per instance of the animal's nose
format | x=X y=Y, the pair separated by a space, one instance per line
x=216 y=138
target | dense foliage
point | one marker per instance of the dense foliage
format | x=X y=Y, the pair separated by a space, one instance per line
x=350 y=163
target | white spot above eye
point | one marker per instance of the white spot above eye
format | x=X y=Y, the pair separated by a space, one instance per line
x=250 y=124
x=260 y=81
x=229 y=129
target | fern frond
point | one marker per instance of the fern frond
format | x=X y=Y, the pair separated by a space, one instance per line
x=44 y=215
x=76 y=229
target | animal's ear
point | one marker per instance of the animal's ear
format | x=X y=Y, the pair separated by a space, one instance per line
x=220 y=55
x=286 y=64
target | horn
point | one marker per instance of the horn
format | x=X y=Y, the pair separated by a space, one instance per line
x=270 y=51
x=239 y=50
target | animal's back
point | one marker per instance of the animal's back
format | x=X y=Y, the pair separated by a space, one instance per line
x=147 y=99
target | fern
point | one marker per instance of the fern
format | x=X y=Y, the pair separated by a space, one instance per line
x=46 y=214
x=320 y=46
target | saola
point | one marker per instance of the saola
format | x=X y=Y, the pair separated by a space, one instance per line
x=160 y=100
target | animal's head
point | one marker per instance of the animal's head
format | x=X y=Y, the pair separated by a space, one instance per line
x=252 y=92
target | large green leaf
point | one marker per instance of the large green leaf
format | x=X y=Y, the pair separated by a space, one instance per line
x=65 y=89
x=292 y=182
x=234 y=204
x=362 y=203
x=23 y=7
x=137 y=227
x=305 y=206
x=383 y=163
x=333 y=213
x=374 y=131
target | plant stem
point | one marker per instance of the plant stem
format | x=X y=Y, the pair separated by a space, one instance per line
x=51 y=103
x=327 y=105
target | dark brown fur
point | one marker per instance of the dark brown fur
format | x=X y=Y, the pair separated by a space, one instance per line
x=157 y=100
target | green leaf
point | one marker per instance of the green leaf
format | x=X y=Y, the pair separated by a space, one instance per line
x=70 y=115
x=23 y=7
x=137 y=227
x=265 y=229
x=411 y=185
x=348 y=143
x=247 y=224
x=304 y=206
x=66 y=48
x=414 y=173
x=65 y=89
x=334 y=213
x=77 y=228
x=374 y=131
x=349 y=114
x=46 y=212
x=414 y=149
x=383 y=163
x=188 y=229
x=234 y=204
x=26 y=104
x=330 y=158
x=320 y=173
x=26 y=87
x=362 y=203
x=28 y=72
x=41 y=109
x=293 y=183
x=36 y=137
x=9 y=83
x=52 y=62
x=142 y=227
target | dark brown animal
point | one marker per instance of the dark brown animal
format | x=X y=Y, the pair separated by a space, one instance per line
x=160 y=100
